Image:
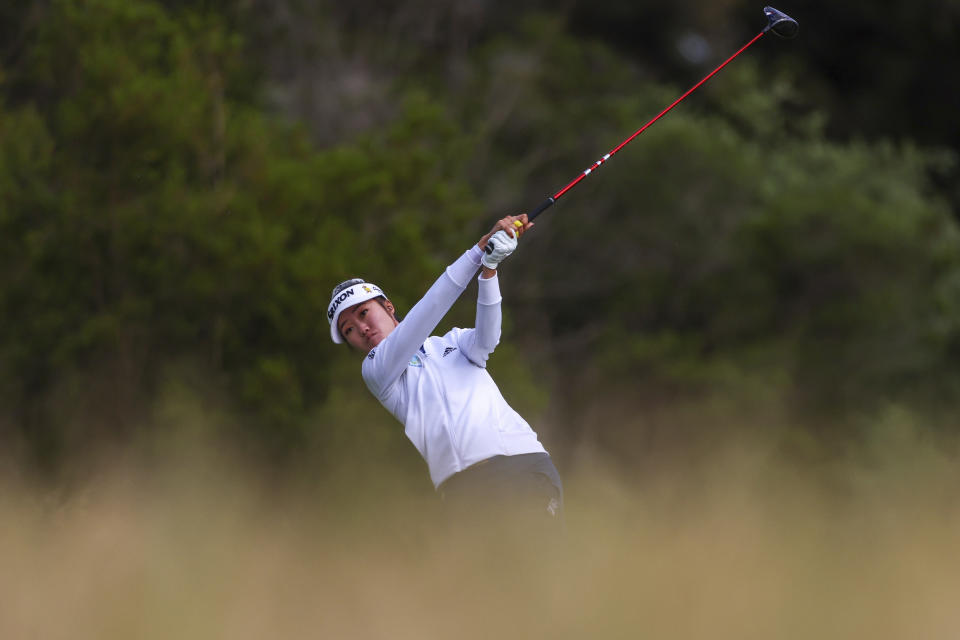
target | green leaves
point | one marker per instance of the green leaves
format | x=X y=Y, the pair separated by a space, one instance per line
x=153 y=211
x=741 y=241
x=148 y=216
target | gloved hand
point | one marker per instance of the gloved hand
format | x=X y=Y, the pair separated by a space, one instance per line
x=500 y=245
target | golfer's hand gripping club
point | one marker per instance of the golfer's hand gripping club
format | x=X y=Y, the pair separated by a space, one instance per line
x=502 y=242
x=499 y=246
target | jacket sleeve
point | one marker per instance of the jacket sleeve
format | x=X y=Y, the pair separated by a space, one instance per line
x=477 y=345
x=384 y=365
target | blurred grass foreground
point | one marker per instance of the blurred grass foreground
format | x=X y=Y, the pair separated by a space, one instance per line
x=745 y=546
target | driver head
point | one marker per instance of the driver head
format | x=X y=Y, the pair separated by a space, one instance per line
x=780 y=23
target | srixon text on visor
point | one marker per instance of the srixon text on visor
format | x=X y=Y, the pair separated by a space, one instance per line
x=336 y=303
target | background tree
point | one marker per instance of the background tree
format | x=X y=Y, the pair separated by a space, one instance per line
x=181 y=185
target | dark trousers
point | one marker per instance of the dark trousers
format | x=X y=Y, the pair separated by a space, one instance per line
x=517 y=493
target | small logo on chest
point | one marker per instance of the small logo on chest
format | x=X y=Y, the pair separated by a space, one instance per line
x=448 y=351
x=415 y=361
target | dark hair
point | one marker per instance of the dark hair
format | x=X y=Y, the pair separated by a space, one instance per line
x=346 y=284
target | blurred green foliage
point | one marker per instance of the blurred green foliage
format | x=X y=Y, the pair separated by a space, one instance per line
x=177 y=195
x=147 y=216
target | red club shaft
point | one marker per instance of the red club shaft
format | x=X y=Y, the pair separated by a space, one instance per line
x=549 y=201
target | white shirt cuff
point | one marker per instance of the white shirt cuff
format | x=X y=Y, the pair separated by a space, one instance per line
x=488 y=290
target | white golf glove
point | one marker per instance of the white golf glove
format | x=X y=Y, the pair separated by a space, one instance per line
x=499 y=247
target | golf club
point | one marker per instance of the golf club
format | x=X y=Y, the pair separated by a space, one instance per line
x=777 y=22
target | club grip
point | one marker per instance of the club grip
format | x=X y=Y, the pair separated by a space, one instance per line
x=540 y=208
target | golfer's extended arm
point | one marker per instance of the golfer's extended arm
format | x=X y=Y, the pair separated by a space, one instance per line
x=477 y=345
x=393 y=354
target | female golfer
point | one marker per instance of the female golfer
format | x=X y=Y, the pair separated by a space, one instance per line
x=480 y=452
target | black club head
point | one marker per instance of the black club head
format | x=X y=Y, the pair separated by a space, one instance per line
x=780 y=23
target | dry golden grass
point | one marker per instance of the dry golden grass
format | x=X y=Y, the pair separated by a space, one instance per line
x=747 y=548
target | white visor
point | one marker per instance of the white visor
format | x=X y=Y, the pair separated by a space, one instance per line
x=349 y=297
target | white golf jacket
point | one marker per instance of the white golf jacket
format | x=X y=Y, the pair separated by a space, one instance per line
x=439 y=388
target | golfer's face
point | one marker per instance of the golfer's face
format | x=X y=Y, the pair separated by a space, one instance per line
x=363 y=326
